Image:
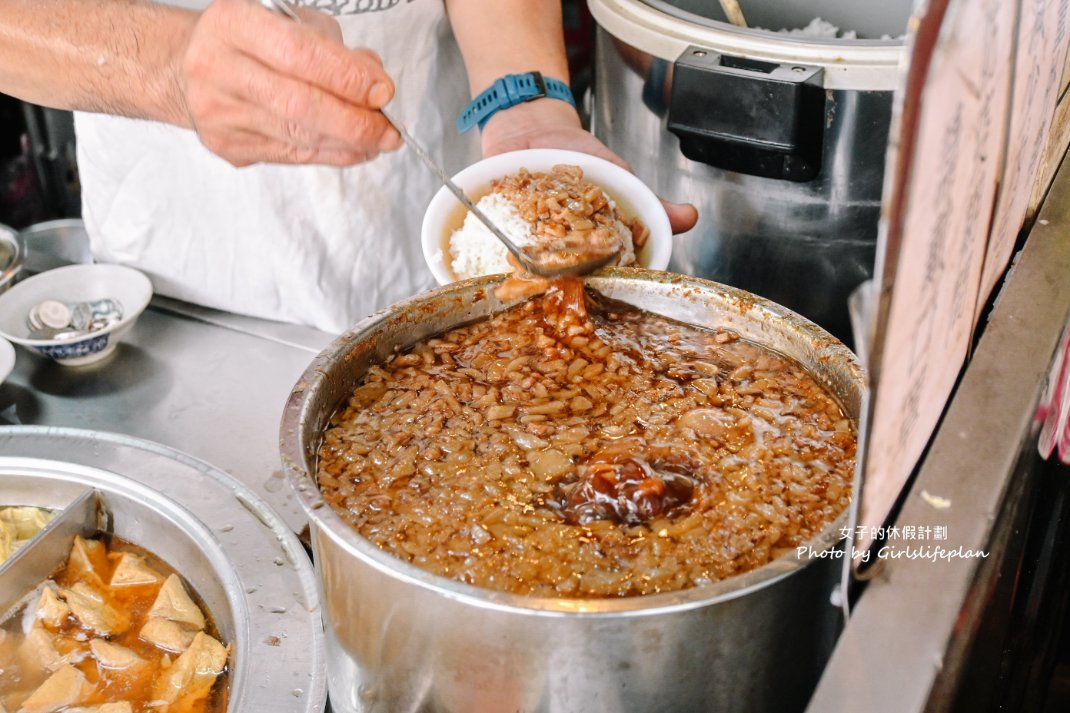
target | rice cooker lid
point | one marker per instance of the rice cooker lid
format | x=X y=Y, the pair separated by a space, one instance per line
x=666 y=28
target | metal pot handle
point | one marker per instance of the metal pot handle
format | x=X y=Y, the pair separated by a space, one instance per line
x=748 y=116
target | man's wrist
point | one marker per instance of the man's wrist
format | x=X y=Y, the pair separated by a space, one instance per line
x=538 y=113
x=518 y=126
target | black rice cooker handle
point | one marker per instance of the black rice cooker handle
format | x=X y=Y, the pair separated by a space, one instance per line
x=748 y=116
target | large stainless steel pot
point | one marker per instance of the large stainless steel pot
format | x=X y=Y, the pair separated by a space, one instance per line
x=784 y=137
x=401 y=639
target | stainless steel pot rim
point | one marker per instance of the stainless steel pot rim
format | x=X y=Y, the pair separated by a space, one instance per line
x=865 y=65
x=110 y=482
x=52 y=225
x=323 y=516
x=287 y=648
x=622 y=608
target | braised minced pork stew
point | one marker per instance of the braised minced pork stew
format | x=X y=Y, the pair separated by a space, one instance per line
x=576 y=447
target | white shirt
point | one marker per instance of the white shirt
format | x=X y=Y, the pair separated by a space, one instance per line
x=312 y=245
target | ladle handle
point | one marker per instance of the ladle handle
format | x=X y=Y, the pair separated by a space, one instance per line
x=455 y=189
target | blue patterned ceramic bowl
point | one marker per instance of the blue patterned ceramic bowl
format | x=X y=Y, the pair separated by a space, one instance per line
x=75 y=283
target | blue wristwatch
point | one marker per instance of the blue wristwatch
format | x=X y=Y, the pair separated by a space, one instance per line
x=510 y=90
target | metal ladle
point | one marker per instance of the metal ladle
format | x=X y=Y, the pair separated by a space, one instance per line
x=537 y=264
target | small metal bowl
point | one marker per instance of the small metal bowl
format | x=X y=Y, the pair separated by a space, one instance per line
x=11 y=256
x=55 y=243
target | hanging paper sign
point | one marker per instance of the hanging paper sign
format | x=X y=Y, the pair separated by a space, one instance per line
x=1043 y=38
x=939 y=196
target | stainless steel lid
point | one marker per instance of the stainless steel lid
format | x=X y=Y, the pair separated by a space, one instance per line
x=665 y=29
x=249 y=569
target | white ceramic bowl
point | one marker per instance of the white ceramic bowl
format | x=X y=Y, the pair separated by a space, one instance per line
x=445 y=213
x=75 y=283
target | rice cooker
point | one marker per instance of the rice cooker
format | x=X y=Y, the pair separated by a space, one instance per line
x=779 y=139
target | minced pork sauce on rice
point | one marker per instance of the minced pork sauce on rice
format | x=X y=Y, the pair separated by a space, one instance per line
x=534 y=208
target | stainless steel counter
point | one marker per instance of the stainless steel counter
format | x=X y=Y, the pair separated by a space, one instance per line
x=204 y=382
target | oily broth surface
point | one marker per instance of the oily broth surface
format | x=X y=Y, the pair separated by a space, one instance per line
x=135 y=685
x=481 y=454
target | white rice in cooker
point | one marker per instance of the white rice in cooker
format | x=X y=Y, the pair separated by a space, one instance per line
x=820 y=29
x=474 y=251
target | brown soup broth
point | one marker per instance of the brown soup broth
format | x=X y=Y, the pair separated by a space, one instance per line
x=572 y=446
x=133 y=685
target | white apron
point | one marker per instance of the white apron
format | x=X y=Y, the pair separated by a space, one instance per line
x=307 y=244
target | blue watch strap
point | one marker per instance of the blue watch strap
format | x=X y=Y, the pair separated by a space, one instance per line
x=510 y=90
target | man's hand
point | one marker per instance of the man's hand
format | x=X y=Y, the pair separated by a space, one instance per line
x=551 y=123
x=259 y=87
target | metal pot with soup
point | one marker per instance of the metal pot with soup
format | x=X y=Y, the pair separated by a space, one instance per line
x=589 y=500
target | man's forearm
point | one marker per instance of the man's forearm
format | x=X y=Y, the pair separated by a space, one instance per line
x=114 y=56
x=508 y=37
